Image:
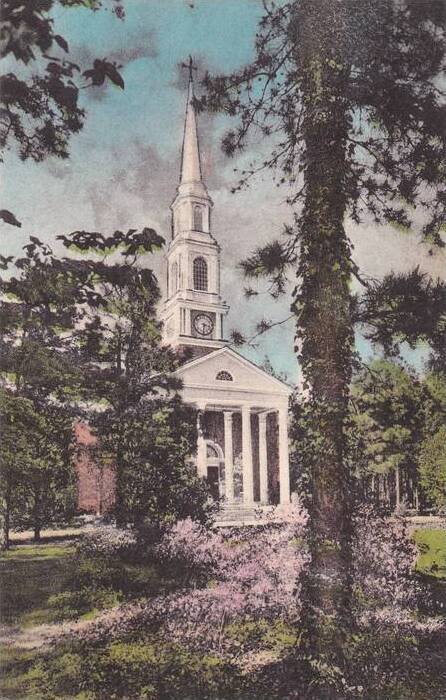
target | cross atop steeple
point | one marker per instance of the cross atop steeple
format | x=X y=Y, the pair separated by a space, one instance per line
x=191 y=67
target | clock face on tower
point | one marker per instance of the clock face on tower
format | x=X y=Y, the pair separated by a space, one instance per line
x=203 y=324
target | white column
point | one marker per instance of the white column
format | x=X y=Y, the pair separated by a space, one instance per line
x=201 y=447
x=263 y=459
x=284 y=466
x=229 y=458
x=248 y=481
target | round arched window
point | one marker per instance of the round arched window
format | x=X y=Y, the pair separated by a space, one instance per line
x=200 y=274
x=211 y=451
x=224 y=376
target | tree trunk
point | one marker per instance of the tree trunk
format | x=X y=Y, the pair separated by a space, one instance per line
x=120 y=509
x=373 y=490
x=6 y=525
x=325 y=332
x=397 y=488
x=37 y=516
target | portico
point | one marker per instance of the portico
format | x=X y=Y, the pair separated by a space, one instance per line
x=242 y=427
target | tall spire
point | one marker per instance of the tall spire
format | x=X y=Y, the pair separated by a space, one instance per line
x=190 y=159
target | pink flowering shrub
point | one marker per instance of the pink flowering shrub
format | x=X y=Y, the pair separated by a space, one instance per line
x=384 y=558
x=106 y=541
x=193 y=548
x=255 y=576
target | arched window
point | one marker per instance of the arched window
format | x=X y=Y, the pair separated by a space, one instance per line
x=198 y=218
x=211 y=451
x=174 y=277
x=200 y=274
x=224 y=376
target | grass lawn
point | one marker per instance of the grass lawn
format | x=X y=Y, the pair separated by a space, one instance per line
x=29 y=575
x=432 y=547
x=35 y=589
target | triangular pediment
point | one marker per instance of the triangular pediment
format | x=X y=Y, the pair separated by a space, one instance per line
x=225 y=369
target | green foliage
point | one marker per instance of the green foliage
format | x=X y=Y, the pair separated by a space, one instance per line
x=37 y=479
x=395 y=426
x=39 y=311
x=26 y=552
x=71 y=605
x=432 y=468
x=432 y=557
x=278 y=637
x=405 y=308
x=16 y=670
x=387 y=418
x=145 y=662
x=395 y=422
x=158 y=483
x=41 y=112
x=140 y=669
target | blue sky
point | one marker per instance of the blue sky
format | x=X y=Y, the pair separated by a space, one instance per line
x=124 y=164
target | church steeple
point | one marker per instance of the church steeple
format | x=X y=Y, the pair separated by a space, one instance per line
x=190 y=157
x=191 y=187
x=193 y=312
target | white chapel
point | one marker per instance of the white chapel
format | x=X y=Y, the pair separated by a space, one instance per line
x=242 y=411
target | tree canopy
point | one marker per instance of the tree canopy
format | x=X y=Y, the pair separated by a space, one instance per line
x=41 y=106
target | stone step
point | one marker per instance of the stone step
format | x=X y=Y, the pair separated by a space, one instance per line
x=239 y=509
x=237 y=513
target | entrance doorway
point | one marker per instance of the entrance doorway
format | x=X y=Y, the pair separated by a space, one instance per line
x=215 y=470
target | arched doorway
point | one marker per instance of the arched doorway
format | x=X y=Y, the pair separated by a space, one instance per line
x=215 y=464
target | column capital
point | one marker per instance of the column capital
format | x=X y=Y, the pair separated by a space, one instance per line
x=228 y=415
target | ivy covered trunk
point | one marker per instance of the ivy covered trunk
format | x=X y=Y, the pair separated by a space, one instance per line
x=325 y=332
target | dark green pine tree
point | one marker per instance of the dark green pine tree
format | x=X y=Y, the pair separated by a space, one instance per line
x=405 y=308
x=348 y=96
x=387 y=426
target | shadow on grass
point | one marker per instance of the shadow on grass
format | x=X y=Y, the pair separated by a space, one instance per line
x=29 y=575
